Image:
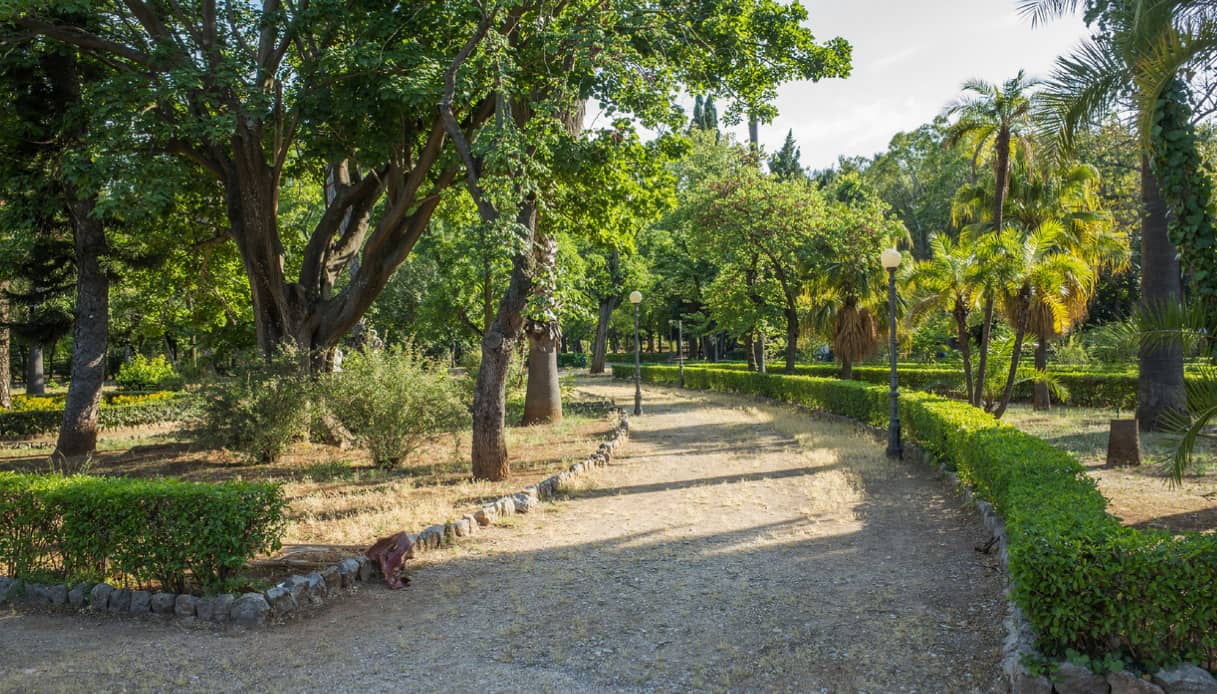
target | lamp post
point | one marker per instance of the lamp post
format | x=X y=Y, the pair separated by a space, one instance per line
x=636 y=298
x=891 y=260
x=680 y=349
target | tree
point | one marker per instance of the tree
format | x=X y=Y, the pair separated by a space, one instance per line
x=995 y=119
x=785 y=163
x=948 y=281
x=1106 y=71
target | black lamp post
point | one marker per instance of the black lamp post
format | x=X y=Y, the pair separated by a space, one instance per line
x=891 y=260
x=636 y=298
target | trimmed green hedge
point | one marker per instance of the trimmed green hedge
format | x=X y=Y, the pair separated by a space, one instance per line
x=1083 y=580
x=572 y=360
x=118 y=410
x=177 y=534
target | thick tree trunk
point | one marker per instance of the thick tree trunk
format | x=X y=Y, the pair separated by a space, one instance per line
x=847 y=369
x=600 y=341
x=792 y=338
x=965 y=349
x=543 y=401
x=760 y=352
x=750 y=350
x=490 y=395
x=78 y=434
x=6 y=377
x=35 y=376
x=1160 y=385
x=1042 y=397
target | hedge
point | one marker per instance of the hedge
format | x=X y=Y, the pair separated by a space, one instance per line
x=1087 y=388
x=174 y=533
x=1084 y=581
x=572 y=360
x=43 y=415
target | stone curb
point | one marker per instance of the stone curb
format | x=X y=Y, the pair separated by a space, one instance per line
x=297 y=593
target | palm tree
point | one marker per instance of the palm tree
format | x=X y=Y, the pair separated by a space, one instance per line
x=947 y=281
x=1126 y=64
x=995 y=118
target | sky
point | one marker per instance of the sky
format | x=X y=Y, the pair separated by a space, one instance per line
x=909 y=59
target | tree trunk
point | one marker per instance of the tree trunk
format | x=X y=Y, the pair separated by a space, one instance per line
x=1160 y=385
x=543 y=401
x=982 y=363
x=1019 y=335
x=750 y=349
x=78 y=434
x=600 y=342
x=6 y=378
x=965 y=349
x=1001 y=170
x=35 y=377
x=760 y=352
x=847 y=369
x=490 y=394
x=792 y=338
x=1042 y=397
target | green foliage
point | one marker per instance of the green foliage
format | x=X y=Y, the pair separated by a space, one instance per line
x=259 y=412
x=1083 y=580
x=180 y=535
x=392 y=400
x=32 y=416
x=142 y=373
x=572 y=360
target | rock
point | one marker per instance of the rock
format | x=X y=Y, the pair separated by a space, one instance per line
x=506 y=506
x=366 y=566
x=141 y=602
x=1186 y=679
x=433 y=536
x=58 y=594
x=450 y=531
x=1024 y=682
x=120 y=601
x=458 y=528
x=99 y=596
x=281 y=600
x=298 y=586
x=485 y=515
x=37 y=594
x=185 y=606
x=524 y=503
x=1075 y=679
x=249 y=610
x=215 y=609
x=471 y=523
x=1125 y=682
x=332 y=580
x=77 y=597
x=7 y=586
x=348 y=572
x=164 y=603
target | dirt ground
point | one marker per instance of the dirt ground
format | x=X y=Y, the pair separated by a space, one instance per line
x=1142 y=496
x=732 y=546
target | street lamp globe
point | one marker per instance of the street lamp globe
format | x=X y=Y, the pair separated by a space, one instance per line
x=890 y=259
x=635 y=297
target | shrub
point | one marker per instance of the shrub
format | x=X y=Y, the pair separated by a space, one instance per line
x=393 y=399
x=1084 y=581
x=175 y=533
x=260 y=412
x=572 y=360
x=142 y=373
x=117 y=410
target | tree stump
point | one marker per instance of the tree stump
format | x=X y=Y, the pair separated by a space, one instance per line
x=1124 y=443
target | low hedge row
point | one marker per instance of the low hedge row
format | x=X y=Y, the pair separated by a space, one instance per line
x=118 y=410
x=1083 y=580
x=572 y=360
x=179 y=534
x=1087 y=388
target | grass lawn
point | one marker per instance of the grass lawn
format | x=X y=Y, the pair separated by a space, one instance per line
x=1141 y=496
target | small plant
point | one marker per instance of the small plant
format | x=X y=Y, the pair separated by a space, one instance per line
x=261 y=411
x=393 y=399
x=142 y=373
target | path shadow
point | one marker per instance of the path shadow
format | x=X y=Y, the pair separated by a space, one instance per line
x=705 y=481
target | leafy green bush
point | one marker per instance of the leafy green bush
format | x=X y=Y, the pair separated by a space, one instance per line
x=44 y=415
x=177 y=534
x=142 y=373
x=1085 y=581
x=259 y=412
x=572 y=360
x=393 y=399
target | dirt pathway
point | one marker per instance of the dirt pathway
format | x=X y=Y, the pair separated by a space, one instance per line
x=733 y=546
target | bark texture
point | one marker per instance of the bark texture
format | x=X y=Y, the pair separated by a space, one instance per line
x=1042 y=398
x=600 y=342
x=6 y=377
x=35 y=373
x=543 y=400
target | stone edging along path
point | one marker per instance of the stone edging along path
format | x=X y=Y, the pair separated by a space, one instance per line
x=298 y=593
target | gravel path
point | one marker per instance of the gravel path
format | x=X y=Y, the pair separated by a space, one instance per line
x=733 y=545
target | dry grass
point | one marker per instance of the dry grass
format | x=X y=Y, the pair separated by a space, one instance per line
x=1140 y=496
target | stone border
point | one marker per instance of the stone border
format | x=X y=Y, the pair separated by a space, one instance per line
x=300 y=592
x=1019 y=643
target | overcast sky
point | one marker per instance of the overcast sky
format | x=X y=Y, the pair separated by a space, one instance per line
x=909 y=58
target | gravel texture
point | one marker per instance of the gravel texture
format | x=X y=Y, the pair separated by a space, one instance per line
x=731 y=546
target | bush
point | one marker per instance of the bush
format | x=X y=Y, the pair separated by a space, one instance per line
x=175 y=533
x=572 y=360
x=260 y=412
x=142 y=373
x=39 y=415
x=1083 y=580
x=393 y=399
